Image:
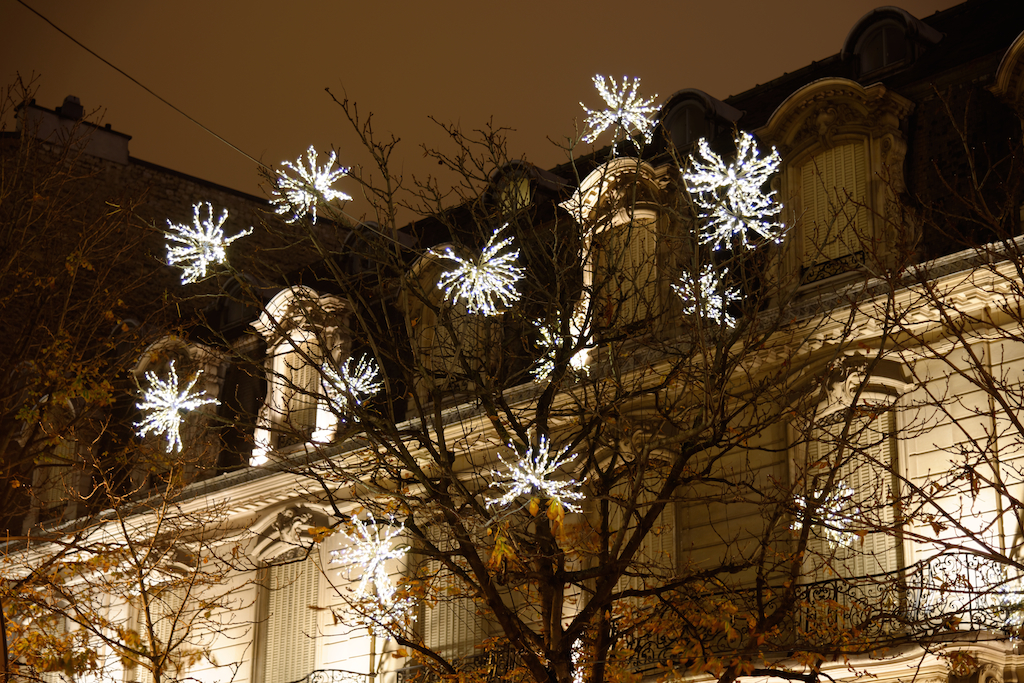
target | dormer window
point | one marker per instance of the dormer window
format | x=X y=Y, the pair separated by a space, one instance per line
x=688 y=124
x=887 y=39
x=691 y=114
x=883 y=46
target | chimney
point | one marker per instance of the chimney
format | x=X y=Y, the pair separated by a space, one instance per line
x=71 y=109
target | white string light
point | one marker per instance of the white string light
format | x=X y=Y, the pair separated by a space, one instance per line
x=487 y=283
x=549 y=342
x=371 y=545
x=834 y=514
x=529 y=476
x=626 y=111
x=706 y=297
x=351 y=384
x=301 y=195
x=167 y=406
x=731 y=196
x=199 y=245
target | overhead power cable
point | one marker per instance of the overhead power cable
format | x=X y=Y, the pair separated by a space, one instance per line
x=136 y=82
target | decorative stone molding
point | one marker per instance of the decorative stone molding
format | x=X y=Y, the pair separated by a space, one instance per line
x=610 y=188
x=1009 y=77
x=820 y=111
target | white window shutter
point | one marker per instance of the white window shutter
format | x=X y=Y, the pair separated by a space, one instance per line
x=291 y=626
x=451 y=627
x=835 y=195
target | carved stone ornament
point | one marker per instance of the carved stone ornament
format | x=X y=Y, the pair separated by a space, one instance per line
x=1009 y=76
x=610 y=186
x=825 y=109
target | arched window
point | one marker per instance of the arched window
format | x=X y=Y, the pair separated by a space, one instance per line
x=885 y=39
x=884 y=45
x=843 y=153
x=617 y=210
x=303 y=330
x=836 y=209
x=691 y=114
x=450 y=343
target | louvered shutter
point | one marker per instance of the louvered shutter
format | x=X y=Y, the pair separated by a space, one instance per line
x=166 y=611
x=834 y=190
x=291 y=625
x=303 y=383
x=867 y=465
x=656 y=556
x=451 y=627
x=627 y=272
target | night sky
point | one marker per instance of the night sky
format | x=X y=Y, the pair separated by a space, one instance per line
x=255 y=71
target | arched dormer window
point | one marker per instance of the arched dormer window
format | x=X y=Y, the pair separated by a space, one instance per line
x=1009 y=77
x=691 y=114
x=843 y=153
x=617 y=210
x=449 y=344
x=886 y=39
x=851 y=468
x=155 y=463
x=302 y=330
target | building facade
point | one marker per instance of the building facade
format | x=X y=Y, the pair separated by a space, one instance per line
x=810 y=467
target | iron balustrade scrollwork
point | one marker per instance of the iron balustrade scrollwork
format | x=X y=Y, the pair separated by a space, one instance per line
x=832 y=267
x=334 y=676
x=948 y=593
x=496 y=664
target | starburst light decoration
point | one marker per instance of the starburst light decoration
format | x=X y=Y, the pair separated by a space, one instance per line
x=626 y=111
x=166 y=406
x=834 y=514
x=549 y=341
x=731 y=196
x=199 y=245
x=485 y=284
x=301 y=195
x=371 y=545
x=529 y=477
x=351 y=383
x=706 y=297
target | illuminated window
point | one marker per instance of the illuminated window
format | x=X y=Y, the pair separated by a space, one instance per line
x=289 y=625
x=302 y=330
x=854 y=454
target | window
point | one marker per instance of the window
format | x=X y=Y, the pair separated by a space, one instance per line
x=451 y=623
x=289 y=628
x=302 y=330
x=883 y=45
x=165 y=629
x=451 y=344
x=626 y=273
x=852 y=459
x=843 y=152
x=833 y=186
x=686 y=124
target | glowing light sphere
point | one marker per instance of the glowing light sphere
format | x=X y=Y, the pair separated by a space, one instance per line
x=199 y=245
x=166 y=406
x=706 y=297
x=371 y=545
x=348 y=386
x=529 y=477
x=731 y=196
x=488 y=283
x=626 y=111
x=834 y=514
x=300 y=195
